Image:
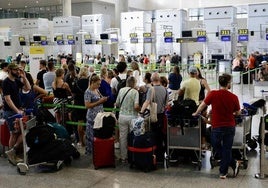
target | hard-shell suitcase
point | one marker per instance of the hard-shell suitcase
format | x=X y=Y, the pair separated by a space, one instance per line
x=4 y=135
x=141 y=151
x=103 y=152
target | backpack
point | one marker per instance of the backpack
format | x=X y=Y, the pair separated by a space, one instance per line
x=181 y=112
x=121 y=83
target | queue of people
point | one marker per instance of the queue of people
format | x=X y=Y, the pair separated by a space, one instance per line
x=96 y=92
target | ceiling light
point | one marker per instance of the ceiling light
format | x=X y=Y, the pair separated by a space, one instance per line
x=9 y=4
x=36 y=2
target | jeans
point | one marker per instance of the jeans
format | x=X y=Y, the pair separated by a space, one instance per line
x=222 y=141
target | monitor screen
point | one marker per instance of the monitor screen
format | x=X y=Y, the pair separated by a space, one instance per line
x=7 y=43
x=37 y=38
x=104 y=36
x=186 y=34
x=88 y=41
x=22 y=43
x=217 y=56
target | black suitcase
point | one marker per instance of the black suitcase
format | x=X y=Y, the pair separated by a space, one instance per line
x=141 y=151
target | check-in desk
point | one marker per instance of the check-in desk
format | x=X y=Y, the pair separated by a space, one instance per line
x=258 y=86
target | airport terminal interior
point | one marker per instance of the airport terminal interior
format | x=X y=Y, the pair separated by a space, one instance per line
x=205 y=34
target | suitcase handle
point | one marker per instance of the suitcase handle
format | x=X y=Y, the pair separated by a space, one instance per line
x=141 y=150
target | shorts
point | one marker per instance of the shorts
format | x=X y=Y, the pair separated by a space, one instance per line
x=10 y=121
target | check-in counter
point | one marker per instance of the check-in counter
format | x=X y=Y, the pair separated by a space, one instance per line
x=258 y=86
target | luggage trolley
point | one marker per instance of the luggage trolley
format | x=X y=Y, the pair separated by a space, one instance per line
x=243 y=128
x=23 y=167
x=185 y=135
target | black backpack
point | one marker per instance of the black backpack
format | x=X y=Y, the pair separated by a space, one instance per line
x=121 y=83
x=181 y=112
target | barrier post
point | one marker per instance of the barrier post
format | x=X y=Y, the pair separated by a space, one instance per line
x=261 y=175
x=264 y=118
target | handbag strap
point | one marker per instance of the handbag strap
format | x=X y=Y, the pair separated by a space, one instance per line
x=124 y=97
x=152 y=95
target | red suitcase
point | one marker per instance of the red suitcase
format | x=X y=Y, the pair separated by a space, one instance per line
x=4 y=135
x=103 y=152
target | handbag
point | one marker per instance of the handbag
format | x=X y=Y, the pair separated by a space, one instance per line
x=153 y=108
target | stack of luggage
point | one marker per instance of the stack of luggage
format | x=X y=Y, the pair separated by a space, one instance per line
x=103 y=143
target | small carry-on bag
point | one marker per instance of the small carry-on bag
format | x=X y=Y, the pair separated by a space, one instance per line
x=4 y=135
x=141 y=151
x=103 y=152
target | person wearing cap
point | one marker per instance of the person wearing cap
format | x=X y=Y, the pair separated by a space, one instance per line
x=190 y=88
x=12 y=85
x=263 y=72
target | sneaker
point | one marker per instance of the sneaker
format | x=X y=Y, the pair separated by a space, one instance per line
x=236 y=169
x=223 y=176
x=116 y=145
x=11 y=155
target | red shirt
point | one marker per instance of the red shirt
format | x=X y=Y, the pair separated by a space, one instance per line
x=224 y=104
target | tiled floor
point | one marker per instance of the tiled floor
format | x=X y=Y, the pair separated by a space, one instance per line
x=81 y=174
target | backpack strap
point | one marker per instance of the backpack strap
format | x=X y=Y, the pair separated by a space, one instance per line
x=118 y=79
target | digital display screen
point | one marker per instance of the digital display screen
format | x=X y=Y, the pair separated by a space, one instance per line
x=21 y=38
x=43 y=38
x=225 y=38
x=37 y=38
x=147 y=35
x=147 y=40
x=266 y=36
x=225 y=32
x=167 y=34
x=70 y=37
x=60 y=42
x=201 y=39
x=22 y=43
x=186 y=34
x=242 y=37
x=168 y=39
x=242 y=31
x=201 y=33
x=133 y=35
x=134 y=40
x=59 y=37
x=88 y=41
x=71 y=42
x=87 y=36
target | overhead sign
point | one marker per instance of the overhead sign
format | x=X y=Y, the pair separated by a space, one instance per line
x=59 y=37
x=201 y=39
x=43 y=38
x=242 y=38
x=242 y=31
x=201 y=33
x=87 y=36
x=21 y=39
x=88 y=41
x=225 y=32
x=70 y=37
x=168 y=39
x=225 y=38
x=133 y=35
x=134 y=40
x=147 y=35
x=168 y=34
x=147 y=40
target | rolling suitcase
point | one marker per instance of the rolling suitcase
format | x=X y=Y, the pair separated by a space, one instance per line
x=141 y=151
x=103 y=152
x=4 y=135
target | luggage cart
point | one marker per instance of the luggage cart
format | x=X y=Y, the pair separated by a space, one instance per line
x=184 y=136
x=23 y=167
x=242 y=129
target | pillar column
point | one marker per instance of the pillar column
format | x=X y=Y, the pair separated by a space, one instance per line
x=120 y=6
x=67 y=7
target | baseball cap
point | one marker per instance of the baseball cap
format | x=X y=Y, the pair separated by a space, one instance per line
x=13 y=66
x=193 y=70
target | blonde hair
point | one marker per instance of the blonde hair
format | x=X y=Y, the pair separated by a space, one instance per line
x=104 y=72
x=83 y=73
